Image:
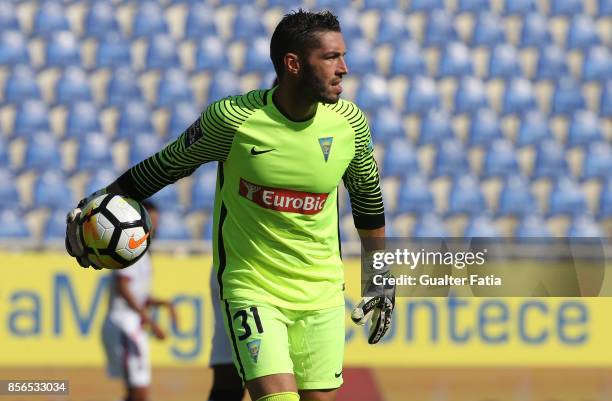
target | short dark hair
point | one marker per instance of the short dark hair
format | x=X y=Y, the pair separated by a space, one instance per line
x=297 y=31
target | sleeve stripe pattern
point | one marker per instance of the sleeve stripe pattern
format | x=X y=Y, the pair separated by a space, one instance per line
x=361 y=177
x=207 y=139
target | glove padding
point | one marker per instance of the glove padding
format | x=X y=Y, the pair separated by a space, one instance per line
x=73 y=243
x=378 y=309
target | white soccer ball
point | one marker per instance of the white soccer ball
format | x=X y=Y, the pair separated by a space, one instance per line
x=114 y=230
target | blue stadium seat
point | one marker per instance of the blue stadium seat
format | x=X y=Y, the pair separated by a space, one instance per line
x=32 y=116
x=430 y=226
x=535 y=31
x=504 y=62
x=162 y=53
x=72 y=86
x=55 y=226
x=223 y=84
x=582 y=33
x=585 y=226
x=101 y=178
x=604 y=8
x=466 y=196
x=83 y=118
x=521 y=7
x=360 y=58
x=113 y=51
x=473 y=6
x=407 y=59
x=605 y=100
x=149 y=20
x=51 y=190
x=488 y=31
x=597 y=64
x=439 y=29
x=50 y=18
x=63 y=50
x=200 y=21
x=567 y=97
x=174 y=87
x=400 y=157
x=415 y=196
x=456 y=60
x=436 y=127
x=142 y=146
x=13 y=48
x=94 y=152
x=135 y=118
x=183 y=115
x=518 y=97
x=248 y=23
x=565 y=7
x=533 y=128
x=382 y=5
x=484 y=128
x=515 y=198
x=100 y=20
x=605 y=200
x=4 y=153
x=373 y=93
x=42 y=153
x=171 y=226
x=8 y=16
x=351 y=26
x=426 y=5
x=207 y=230
x=481 y=226
x=203 y=189
x=123 y=87
x=550 y=160
x=21 y=85
x=211 y=54
x=9 y=194
x=168 y=199
x=532 y=226
x=566 y=197
x=392 y=27
x=552 y=63
x=597 y=162
x=451 y=159
x=386 y=125
x=500 y=160
x=470 y=95
x=422 y=95
x=13 y=225
x=258 y=56
x=584 y=128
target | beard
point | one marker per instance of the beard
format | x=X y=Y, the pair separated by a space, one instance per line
x=315 y=89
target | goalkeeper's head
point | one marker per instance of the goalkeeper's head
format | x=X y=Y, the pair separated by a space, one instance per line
x=307 y=50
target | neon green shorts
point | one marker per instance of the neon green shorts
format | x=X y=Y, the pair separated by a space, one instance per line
x=267 y=340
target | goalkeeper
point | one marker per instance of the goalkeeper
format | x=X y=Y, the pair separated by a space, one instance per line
x=281 y=155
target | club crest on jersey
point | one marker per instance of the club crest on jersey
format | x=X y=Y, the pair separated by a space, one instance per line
x=253 y=347
x=326 y=144
x=282 y=199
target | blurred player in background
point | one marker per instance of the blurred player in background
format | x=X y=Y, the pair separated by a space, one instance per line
x=276 y=249
x=124 y=332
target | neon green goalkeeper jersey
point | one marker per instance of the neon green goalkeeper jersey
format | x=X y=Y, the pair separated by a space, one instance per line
x=275 y=227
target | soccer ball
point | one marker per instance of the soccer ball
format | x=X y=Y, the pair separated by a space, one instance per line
x=114 y=231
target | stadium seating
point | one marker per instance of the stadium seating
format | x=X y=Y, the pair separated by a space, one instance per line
x=605 y=200
x=248 y=23
x=183 y=115
x=373 y=93
x=430 y=226
x=224 y=83
x=451 y=159
x=8 y=16
x=550 y=160
x=426 y=5
x=9 y=194
x=604 y=8
x=387 y=124
x=73 y=86
x=415 y=196
x=162 y=53
x=143 y=145
x=470 y=95
x=582 y=33
x=456 y=60
x=94 y=151
x=42 y=153
x=83 y=118
x=484 y=128
x=504 y=62
x=473 y=6
x=360 y=59
x=407 y=59
x=123 y=87
x=258 y=55
x=532 y=225
x=500 y=160
x=422 y=95
x=12 y=225
x=552 y=63
x=598 y=161
x=113 y=51
x=535 y=31
x=515 y=198
x=533 y=128
x=100 y=178
x=518 y=97
x=400 y=157
x=566 y=198
x=211 y=54
x=585 y=227
x=392 y=28
x=171 y=226
x=436 y=127
x=52 y=191
x=174 y=87
x=21 y=85
x=50 y=18
x=565 y=7
x=481 y=226
x=168 y=199
x=489 y=29
x=382 y=4
x=32 y=116
x=63 y=50
x=13 y=48
x=100 y=20
x=605 y=101
x=439 y=29
x=55 y=227
x=567 y=97
x=597 y=64
x=4 y=153
x=584 y=128
x=134 y=118
x=200 y=22
x=149 y=20
x=521 y=7
x=203 y=189
x=466 y=197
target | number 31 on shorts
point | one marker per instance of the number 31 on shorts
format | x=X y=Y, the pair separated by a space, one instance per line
x=244 y=322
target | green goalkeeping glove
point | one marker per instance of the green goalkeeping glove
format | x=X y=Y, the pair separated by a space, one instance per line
x=74 y=245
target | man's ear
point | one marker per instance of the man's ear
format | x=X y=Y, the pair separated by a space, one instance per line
x=292 y=63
